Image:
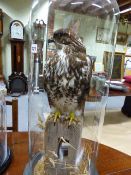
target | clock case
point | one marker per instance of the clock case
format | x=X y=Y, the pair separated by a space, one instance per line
x=1 y=22
x=1 y=33
x=17 y=47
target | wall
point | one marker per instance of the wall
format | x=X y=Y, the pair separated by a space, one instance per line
x=6 y=50
x=15 y=9
x=87 y=29
x=40 y=11
x=123 y=28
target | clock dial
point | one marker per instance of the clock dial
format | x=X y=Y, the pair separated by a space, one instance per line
x=17 y=30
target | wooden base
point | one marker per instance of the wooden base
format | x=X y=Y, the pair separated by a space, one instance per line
x=61 y=145
x=4 y=165
x=71 y=134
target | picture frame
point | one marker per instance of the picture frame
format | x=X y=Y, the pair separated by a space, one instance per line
x=102 y=35
x=118 y=66
x=121 y=38
x=129 y=41
x=128 y=52
x=98 y=67
x=127 y=66
x=107 y=62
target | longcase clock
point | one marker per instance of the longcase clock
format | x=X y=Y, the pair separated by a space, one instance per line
x=17 y=45
x=1 y=33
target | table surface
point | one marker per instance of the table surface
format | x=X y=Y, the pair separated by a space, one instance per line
x=109 y=160
x=121 y=93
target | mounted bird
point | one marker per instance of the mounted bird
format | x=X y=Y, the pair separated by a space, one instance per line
x=67 y=75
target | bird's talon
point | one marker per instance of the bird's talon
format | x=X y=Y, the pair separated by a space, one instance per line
x=71 y=118
x=56 y=116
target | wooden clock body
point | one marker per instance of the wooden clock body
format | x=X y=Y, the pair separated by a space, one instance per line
x=17 y=45
x=1 y=33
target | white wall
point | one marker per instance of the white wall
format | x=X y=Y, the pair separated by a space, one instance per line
x=20 y=10
x=40 y=11
x=123 y=28
x=87 y=30
x=6 y=48
x=17 y=9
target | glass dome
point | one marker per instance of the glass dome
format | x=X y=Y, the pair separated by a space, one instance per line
x=3 y=134
x=72 y=48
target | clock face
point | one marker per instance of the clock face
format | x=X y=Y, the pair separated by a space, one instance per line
x=17 y=30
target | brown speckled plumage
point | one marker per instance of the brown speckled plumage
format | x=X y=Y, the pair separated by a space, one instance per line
x=67 y=73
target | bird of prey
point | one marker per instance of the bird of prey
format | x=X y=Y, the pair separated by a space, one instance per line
x=67 y=75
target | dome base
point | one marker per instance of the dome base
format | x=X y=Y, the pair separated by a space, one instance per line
x=6 y=162
x=37 y=157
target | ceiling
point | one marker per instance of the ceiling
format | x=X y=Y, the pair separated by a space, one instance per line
x=123 y=5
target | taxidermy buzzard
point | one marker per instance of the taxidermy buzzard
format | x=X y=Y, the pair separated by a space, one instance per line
x=67 y=75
